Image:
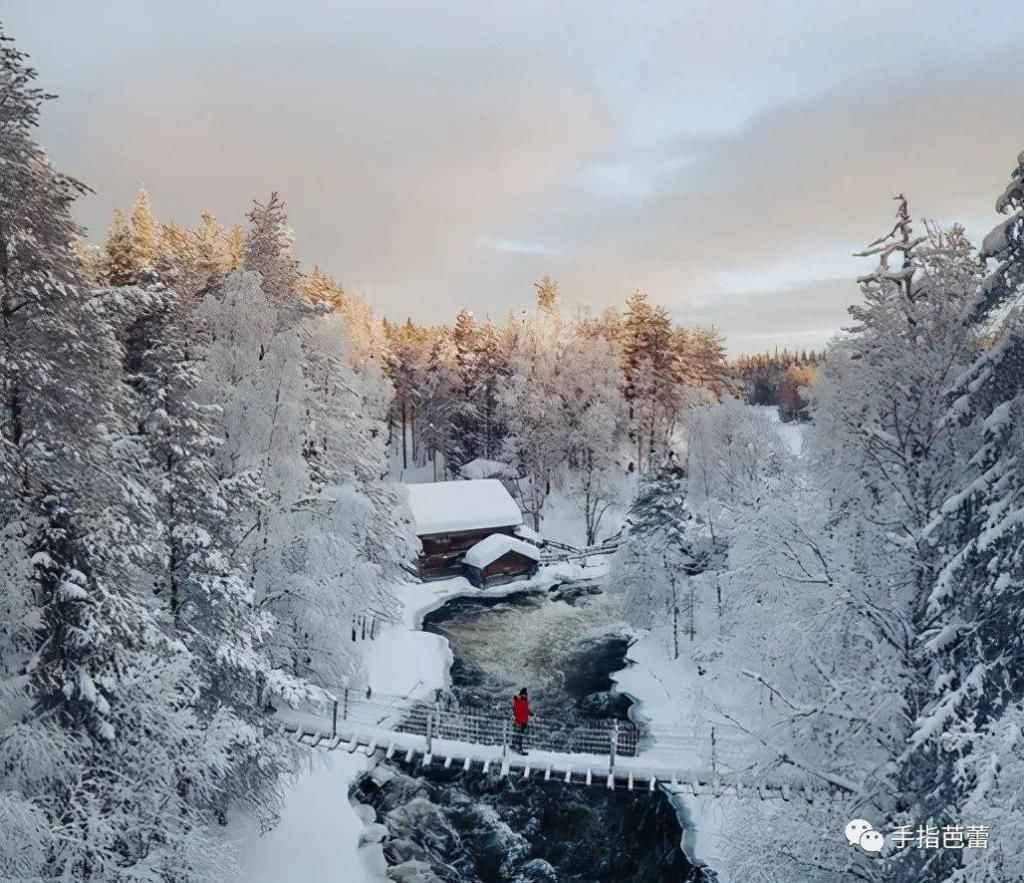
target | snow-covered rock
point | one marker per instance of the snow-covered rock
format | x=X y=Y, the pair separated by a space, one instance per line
x=413 y=872
x=374 y=833
x=482 y=468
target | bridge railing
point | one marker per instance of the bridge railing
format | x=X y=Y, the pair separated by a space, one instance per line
x=596 y=737
x=434 y=721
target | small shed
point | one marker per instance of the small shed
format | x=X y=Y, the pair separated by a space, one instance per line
x=499 y=559
x=450 y=517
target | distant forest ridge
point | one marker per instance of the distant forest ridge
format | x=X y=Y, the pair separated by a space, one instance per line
x=138 y=244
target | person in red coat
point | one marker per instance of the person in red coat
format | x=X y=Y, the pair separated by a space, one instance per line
x=521 y=714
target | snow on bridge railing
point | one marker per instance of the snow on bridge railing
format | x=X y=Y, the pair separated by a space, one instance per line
x=434 y=721
x=596 y=737
x=698 y=753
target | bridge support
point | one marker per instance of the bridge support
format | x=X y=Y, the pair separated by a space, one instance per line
x=613 y=749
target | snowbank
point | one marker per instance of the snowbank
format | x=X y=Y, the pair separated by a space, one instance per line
x=791 y=433
x=481 y=468
x=318 y=837
x=679 y=696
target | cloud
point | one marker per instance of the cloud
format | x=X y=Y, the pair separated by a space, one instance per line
x=519 y=247
x=445 y=154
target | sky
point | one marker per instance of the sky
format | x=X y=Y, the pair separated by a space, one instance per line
x=726 y=157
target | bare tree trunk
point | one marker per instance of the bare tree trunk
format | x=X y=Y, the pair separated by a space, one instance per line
x=412 y=436
x=693 y=610
x=405 y=456
x=675 y=622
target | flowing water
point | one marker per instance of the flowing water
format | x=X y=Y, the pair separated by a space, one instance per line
x=475 y=828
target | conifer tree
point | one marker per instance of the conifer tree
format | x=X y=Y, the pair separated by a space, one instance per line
x=211 y=248
x=268 y=251
x=95 y=692
x=235 y=238
x=120 y=268
x=145 y=234
x=663 y=549
x=547 y=294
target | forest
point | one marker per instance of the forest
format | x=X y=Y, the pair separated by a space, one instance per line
x=199 y=448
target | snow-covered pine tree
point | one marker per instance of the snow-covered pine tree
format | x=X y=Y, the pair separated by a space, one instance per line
x=145 y=234
x=650 y=375
x=547 y=294
x=972 y=647
x=466 y=412
x=434 y=403
x=211 y=248
x=662 y=550
x=94 y=693
x=532 y=406
x=235 y=239
x=593 y=418
x=119 y=269
x=349 y=536
x=268 y=251
x=888 y=454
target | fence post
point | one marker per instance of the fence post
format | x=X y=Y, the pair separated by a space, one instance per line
x=334 y=720
x=614 y=748
x=504 y=739
x=430 y=727
x=344 y=708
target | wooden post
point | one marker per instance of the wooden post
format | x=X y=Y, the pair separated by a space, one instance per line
x=712 y=749
x=362 y=623
x=504 y=739
x=334 y=720
x=430 y=727
x=614 y=747
x=344 y=708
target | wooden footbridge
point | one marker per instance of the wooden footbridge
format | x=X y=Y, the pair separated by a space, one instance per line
x=612 y=754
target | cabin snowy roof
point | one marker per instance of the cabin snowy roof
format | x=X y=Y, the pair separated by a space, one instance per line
x=450 y=506
x=489 y=550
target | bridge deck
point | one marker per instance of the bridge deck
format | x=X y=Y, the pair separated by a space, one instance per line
x=612 y=755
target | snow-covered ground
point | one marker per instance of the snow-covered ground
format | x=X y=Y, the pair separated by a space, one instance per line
x=670 y=694
x=317 y=839
x=792 y=433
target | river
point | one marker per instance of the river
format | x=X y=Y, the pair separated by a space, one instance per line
x=462 y=827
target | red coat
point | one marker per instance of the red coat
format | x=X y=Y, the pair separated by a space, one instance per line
x=521 y=710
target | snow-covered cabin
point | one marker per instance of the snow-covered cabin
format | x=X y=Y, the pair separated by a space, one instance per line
x=500 y=558
x=451 y=517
